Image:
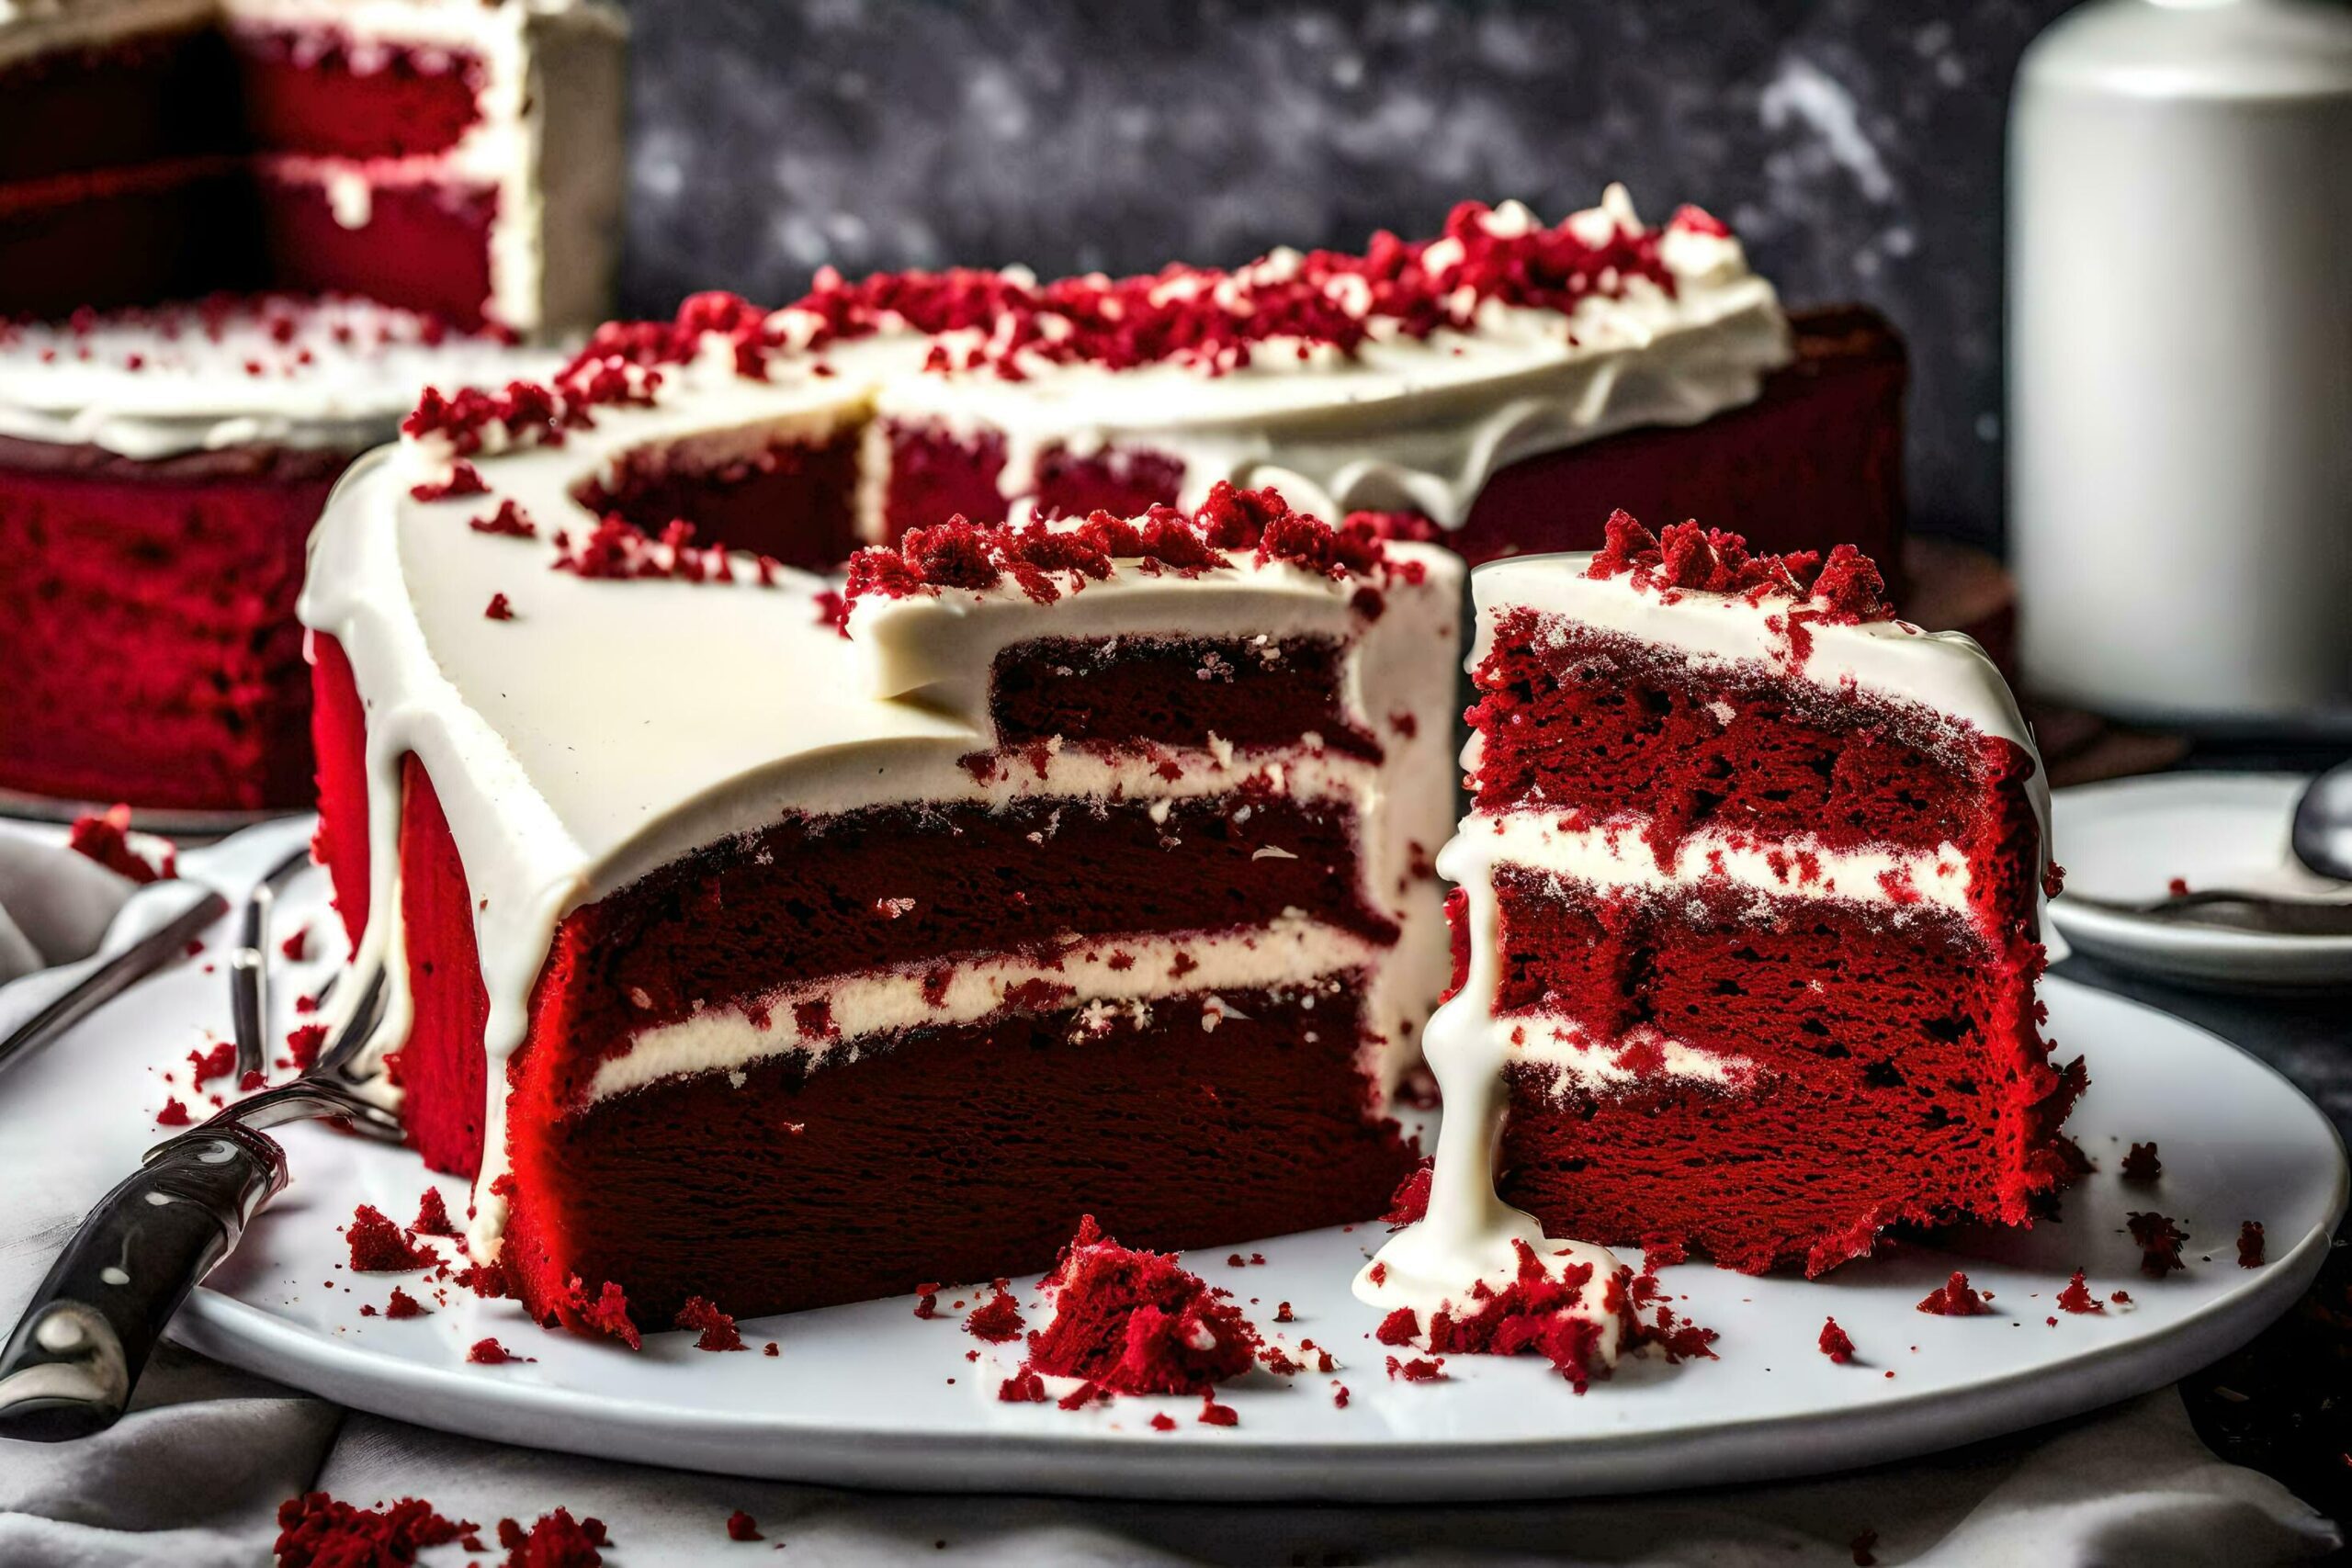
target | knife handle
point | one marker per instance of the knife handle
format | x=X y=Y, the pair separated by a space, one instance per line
x=86 y=1335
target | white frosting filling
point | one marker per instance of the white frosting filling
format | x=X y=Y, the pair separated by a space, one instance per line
x=1469 y=1232
x=1117 y=977
x=1614 y=855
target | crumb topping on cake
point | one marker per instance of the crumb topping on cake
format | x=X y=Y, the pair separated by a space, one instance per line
x=1045 y=560
x=1006 y=324
x=1846 y=590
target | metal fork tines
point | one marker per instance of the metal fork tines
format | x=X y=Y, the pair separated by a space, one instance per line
x=249 y=966
x=328 y=1088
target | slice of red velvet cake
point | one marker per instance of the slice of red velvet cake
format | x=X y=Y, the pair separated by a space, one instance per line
x=780 y=947
x=1746 y=923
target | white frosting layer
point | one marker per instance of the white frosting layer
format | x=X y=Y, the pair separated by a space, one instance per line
x=1469 y=1232
x=1116 y=978
x=1614 y=855
x=338 y=376
x=612 y=726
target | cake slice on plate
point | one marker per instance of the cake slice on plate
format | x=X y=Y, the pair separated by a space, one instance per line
x=783 y=947
x=1746 y=927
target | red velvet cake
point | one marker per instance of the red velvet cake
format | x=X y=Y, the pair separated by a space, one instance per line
x=1746 y=928
x=1502 y=386
x=781 y=943
x=420 y=181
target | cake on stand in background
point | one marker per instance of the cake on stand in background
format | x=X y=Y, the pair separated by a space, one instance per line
x=237 y=238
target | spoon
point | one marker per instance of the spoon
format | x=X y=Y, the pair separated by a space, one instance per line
x=2323 y=831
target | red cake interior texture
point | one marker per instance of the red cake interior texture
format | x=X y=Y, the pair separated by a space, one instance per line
x=1900 y=1076
x=155 y=601
x=963 y=1151
x=150 y=168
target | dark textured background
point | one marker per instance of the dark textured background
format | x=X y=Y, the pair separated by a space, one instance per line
x=1856 y=144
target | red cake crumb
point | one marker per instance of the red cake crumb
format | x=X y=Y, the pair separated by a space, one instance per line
x=464 y=478
x=1863 y=1547
x=1834 y=1342
x=205 y=1065
x=1215 y=1415
x=484 y=1280
x=2177 y=886
x=297 y=944
x=106 y=838
x=1399 y=1328
x=1022 y=1388
x=1137 y=1322
x=1418 y=1369
x=1281 y=1313
x=1847 y=590
x=174 y=1114
x=2159 y=1240
x=314 y=1530
x=2078 y=1298
x=607 y=1313
x=741 y=1526
x=403 y=1304
x=1163 y=1422
x=2120 y=1298
x=509 y=521
x=771 y=1348
x=555 y=1540
x=1410 y=1205
x=491 y=1353
x=1955 y=1300
x=996 y=1320
x=1340 y=1396
x=379 y=1246
x=2250 y=1245
x=2142 y=1165
x=501 y=608
x=717 y=1329
x=433 y=1215
x=927 y=1301
x=303 y=1041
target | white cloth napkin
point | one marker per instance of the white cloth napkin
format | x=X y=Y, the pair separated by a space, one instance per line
x=193 y=1477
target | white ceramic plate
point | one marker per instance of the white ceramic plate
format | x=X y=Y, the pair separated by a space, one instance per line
x=2128 y=840
x=870 y=1396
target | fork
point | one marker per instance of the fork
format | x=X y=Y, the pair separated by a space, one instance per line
x=77 y=1353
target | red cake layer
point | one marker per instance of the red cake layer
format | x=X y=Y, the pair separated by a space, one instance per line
x=339 y=739
x=957 y=1154
x=299 y=90
x=936 y=473
x=793 y=502
x=113 y=238
x=1816 y=459
x=1576 y=718
x=1177 y=692
x=156 y=601
x=1898 y=1078
x=425 y=246
x=443 y=1077
x=806 y=899
x=128 y=101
